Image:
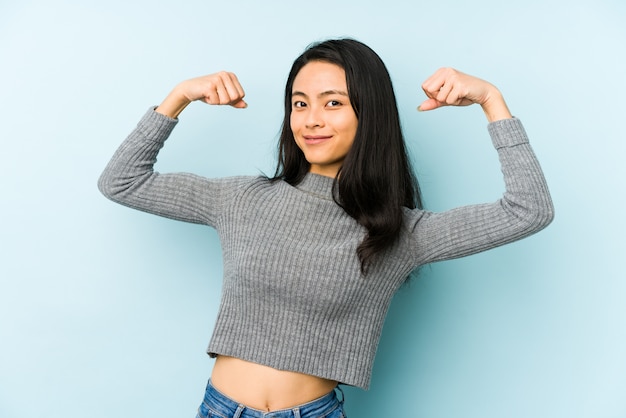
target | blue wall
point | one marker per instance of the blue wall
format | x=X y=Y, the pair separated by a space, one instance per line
x=106 y=312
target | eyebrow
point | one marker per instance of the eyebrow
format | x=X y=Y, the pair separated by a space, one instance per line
x=322 y=94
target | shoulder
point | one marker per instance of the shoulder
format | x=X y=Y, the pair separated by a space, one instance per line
x=246 y=185
x=411 y=217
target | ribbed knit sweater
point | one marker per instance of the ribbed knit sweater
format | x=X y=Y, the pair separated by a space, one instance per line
x=293 y=296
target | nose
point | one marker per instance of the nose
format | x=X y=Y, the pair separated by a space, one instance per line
x=314 y=117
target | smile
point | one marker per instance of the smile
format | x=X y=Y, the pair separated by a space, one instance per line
x=316 y=139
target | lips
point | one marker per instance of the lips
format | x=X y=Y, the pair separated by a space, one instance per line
x=316 y=139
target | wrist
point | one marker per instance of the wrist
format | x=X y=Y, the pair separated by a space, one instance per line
x=495 y=107
x=174 y=103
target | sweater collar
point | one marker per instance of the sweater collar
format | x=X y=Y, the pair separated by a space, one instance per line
x=317 y=185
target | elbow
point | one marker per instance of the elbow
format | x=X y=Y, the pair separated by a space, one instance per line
x=105 y=186
x=122 y=189
x=541 y=217
x=545 y=218
x=550 y=215
x=529 y=216
x=111 y=187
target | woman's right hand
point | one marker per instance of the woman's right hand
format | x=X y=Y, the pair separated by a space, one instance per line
x=221 y=88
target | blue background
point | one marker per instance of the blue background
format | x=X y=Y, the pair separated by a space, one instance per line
x=106 y=312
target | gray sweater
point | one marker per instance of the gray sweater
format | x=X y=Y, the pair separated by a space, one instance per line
x=293 y=294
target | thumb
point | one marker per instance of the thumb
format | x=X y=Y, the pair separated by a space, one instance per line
x=429 y=104
x=241 y=104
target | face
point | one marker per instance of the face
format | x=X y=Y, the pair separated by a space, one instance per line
x=323 y=121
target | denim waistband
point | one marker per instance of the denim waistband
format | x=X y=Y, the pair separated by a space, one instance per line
x=222 y=405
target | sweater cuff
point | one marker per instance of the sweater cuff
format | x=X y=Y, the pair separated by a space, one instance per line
x=507 y=133
x=156 y=126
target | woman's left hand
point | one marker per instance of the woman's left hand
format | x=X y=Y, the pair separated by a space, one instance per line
x=449 y=87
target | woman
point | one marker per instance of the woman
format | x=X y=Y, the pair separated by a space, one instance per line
x=313 y=256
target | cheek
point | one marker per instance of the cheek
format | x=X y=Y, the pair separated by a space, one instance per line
x=294 y=122
x=293 y=130
x=349 y=127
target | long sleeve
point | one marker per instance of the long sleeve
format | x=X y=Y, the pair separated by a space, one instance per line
x=130 y=179
x=525 y=207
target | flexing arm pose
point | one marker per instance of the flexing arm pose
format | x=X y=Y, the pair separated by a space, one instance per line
x=307 y=281
x=221 y=88
x=449 y=87
x=446 y=87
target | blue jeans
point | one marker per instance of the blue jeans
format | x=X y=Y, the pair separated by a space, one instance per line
x=218 y=405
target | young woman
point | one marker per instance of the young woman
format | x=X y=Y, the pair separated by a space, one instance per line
x=314 y=255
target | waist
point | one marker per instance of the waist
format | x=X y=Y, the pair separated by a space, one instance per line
x=216 y=402
x=264 y=388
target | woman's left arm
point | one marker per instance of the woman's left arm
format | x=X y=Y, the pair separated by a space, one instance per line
x=449 y=87
x=525 y=207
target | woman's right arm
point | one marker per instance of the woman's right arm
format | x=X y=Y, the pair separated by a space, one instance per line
x=221 y=88
x=130 y=179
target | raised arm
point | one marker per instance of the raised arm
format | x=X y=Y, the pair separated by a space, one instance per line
x=221 y=88
x=525 y=207
x=130 y=179
x=449 y=87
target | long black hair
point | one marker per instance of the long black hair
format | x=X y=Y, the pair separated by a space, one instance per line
x=376 y=180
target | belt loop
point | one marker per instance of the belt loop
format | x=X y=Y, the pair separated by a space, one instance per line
x=296 y=412
x=343 y=396
x=239 y=411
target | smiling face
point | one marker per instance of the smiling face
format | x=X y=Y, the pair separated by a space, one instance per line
x=322 y=119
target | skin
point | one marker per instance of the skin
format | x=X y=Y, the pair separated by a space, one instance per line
x=320 y=109
x=322 y=120
x=449 y=87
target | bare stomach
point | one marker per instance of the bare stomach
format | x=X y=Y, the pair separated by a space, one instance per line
x=265 y=388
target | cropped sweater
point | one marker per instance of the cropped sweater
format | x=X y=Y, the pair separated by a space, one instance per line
x=293 y=296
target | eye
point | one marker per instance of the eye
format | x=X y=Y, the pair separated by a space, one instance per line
x=333 y=103
x=299 y=104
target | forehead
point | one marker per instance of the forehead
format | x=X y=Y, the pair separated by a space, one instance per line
x=320 y=76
